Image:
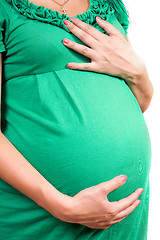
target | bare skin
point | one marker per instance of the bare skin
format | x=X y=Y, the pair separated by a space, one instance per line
x=111 y=55
x=89 y=207
x=114 y=54
x=74 y=7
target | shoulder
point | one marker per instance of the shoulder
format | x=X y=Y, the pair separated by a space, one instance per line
x=4 y=9
x=120 y=12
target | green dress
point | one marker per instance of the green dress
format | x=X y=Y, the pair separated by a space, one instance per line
x=77 y=128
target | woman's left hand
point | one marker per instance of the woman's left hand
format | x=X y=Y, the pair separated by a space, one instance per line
x=110 y=54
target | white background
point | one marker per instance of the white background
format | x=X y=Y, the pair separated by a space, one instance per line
x=144 y=34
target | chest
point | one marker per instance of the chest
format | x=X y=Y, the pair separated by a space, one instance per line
x=37 y=43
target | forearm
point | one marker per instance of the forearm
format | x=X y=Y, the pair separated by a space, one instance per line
x=19 y=173
x=142 y=88
x=138 y=80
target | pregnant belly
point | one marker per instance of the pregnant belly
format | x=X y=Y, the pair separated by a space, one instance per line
x=78 y=129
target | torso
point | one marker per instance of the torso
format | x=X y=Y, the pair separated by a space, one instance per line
x=77 y=128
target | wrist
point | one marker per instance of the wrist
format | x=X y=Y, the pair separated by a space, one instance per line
x=142 y=87
x=145 y=90
x=142 y=83
x=137 y=74
x=55 y=202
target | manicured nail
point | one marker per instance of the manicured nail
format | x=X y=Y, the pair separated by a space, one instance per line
x=66 y=22
x=124 y=178
x=139 y=201
x=72 y=18
x=65 y=40
x=98 y=18
x=142 y=190
x=69 y=65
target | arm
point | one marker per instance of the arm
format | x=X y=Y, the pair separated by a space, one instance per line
x=140 y=85
x=19 y=173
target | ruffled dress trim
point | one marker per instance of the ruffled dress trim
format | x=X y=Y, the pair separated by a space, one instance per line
x=97 y=7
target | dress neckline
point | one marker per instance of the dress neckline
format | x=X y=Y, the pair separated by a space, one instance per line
x=57 y=12
x=97 y=8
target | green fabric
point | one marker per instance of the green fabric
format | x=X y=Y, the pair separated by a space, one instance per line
x=3 y=19
x=120 y=12
x=77 y=128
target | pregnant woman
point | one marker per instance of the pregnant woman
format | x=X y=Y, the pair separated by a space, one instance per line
x=72 y=126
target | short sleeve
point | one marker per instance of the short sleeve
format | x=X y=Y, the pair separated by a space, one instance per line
x=2 y=46
x=125 y=25
x=3 y=20
x=121 y=13
x=124 y=21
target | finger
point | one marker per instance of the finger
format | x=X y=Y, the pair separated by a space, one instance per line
x=117 y=220
x=128 y=201
x=127 y=211
x=81 y=66
x=108 y=27
x=83 y=36
x=97 y=226
x=86 y=51
x=119 y=217
x=113 y=184
x=103 y=224
x=95 y=33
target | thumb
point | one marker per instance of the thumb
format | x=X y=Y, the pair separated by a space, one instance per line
x=108 y=27
x=114 y=183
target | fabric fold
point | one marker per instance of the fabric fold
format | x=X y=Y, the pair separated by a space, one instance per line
x=97 y=7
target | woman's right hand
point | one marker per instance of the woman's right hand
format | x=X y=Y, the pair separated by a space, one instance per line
x=90 y=207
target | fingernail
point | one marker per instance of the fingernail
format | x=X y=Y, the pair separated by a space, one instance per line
x=65 y=40
x=139 y=201
x=69 y=65
x=72 y=18
x=142 y=190
x=98 y=18
x=66 y=22
x=124 y=178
